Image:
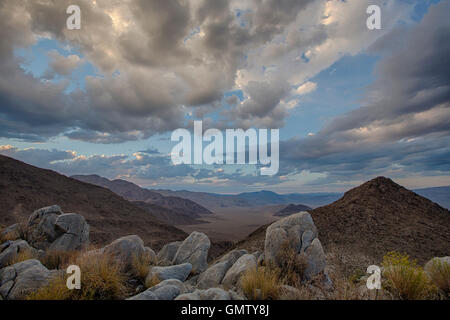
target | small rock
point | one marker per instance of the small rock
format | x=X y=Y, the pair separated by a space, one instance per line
x=179 y=272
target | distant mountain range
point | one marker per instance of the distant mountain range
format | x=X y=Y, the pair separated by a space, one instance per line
x=377 y=217
x=440 y=195
x=170 y=209
x=253 y=199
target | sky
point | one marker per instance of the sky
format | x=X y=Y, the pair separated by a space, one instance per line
x=350 y=103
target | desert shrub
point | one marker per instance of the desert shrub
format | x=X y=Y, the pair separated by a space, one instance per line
x=101 y=279
x=152 y=281
x=141 y=266
x=58 y=259
x=439 y=273
x=291 y=265
x=22 y=255
x=405 y=279
x=261 y=283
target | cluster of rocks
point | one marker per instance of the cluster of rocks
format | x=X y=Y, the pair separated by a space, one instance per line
x=180 y=268
x=46 y=229
x=185 y=274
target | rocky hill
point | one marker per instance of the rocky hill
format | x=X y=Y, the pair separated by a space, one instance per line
x=177 y=211
x=374 y=218
x=23 y=188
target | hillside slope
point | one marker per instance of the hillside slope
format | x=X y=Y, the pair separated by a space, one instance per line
x=177 y=211
x=374 y=218
x=25 y=188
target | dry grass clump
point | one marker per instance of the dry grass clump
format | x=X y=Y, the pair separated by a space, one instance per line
x=22 y=255
x=141 y=266
x=261 y=283
x=405 y=279
x=291 y=265
x=58 y=259
x=101 y=279
x=152 y=281
x=439 y=273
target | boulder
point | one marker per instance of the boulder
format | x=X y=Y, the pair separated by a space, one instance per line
x=213 y=275
x=233 y=275
x=436 y=261
x=146 y=295
x=168 y=292
x=150 y=255
x=179 y=272
x=165 y=290
x=316 y=260
x=23 y=278
x=194 y=249
x=127 y=250
x=41 y=227
x=167 y=253
x=12 y=249
x=210 y=294
x=299 y=233
x=49 y=228
x=13 y=232
x=74 y=232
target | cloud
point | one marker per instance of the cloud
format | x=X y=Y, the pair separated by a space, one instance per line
x=404 y=123
x=306 y=88
x=61 y=65
x=159 y=60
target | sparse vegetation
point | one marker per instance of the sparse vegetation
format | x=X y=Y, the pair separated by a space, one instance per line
x=22 y=255
x=57 y=259
x=261 y=283
x=152 y=281
x=405 y=279
x=440 y=275
x=141 y=266
x=101 y=280
x=291 y=265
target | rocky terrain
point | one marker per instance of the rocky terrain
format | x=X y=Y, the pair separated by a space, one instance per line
x=169 y=209
x=181 y=268
x=374 y=218
x=179 y=271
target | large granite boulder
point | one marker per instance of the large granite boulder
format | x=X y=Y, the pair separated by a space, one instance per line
x=10 y=249
x=167 y=253
x=213 y=276
x=50 y=229
x=299 y=234
x=128 y=251
x=194 y=249
x=179 y=272
x=234 y=274
x=165 y=290
x=23 y=278
x=209 y=294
